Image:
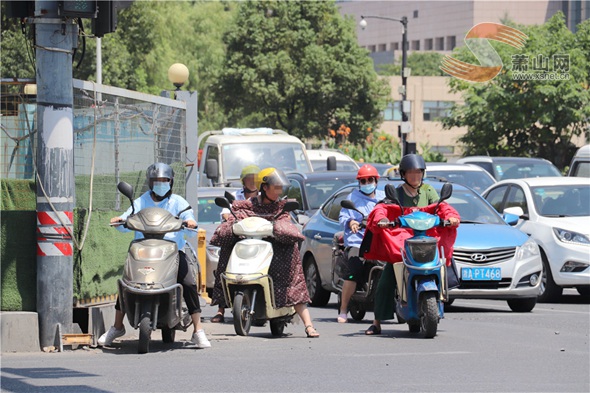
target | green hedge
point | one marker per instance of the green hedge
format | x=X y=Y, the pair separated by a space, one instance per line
x=96 y=268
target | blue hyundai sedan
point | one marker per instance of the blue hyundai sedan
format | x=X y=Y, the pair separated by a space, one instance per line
x=494 y=259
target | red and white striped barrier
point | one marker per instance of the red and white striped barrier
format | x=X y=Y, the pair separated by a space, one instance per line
x=53 y=238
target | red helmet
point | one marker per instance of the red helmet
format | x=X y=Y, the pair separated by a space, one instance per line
x=367 y=171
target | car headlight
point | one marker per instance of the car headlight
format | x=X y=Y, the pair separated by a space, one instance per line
x=571 y=236
x=528 y=249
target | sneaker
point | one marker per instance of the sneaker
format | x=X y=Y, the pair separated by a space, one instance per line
x=200 y=339
x=110 y=336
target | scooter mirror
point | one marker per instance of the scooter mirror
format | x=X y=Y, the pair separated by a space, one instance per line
x=291 y=206
x=391 y=193
x=446 y=191
x=222 y=202
x=125 y=189
x=229 y=196
x=348 y=204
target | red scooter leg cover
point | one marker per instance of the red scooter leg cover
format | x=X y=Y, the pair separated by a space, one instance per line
x=387 y=242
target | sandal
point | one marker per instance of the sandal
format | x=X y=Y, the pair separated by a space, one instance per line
x=342 y=318
x=311 y=332
x=218 y=318
x=373 y=330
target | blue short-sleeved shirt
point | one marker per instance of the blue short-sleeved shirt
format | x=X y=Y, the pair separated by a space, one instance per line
x=174 y=204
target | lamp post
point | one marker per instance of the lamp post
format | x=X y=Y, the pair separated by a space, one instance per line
x=178 y=74
x=405 y=127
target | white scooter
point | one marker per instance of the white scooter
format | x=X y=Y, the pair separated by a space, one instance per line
x=247 y=287
x=148 y=292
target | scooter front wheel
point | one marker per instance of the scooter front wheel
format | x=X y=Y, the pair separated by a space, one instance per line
x=429 y=315
x=241 y=311
x=145 y=333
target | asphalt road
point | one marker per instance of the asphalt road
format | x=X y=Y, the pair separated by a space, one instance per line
x=481 y=346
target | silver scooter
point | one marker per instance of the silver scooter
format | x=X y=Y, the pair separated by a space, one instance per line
x=148 y=292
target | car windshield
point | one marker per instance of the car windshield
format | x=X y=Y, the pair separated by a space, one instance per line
x=520 y=170
x=476 y=180
x=562 y=201
x=285 y=156
x=473 y=209
x=209 y=212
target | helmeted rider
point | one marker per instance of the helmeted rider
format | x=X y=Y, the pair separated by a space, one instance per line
x=364 y=198
x=160 y=178
x=285 y=269
x=249 y=190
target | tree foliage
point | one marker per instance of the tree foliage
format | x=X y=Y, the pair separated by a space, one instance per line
x=420 y=64
x=296 y=65
x=536 y=118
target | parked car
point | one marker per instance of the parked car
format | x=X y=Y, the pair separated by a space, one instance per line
x=312 y=189
x=556 y=214
x=507 y=262
x=319 y=160
x=513 y=167
x=472 y=176
x=580 y=164
x=209 y=217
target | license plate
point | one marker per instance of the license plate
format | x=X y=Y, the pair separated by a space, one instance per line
x=481 y=274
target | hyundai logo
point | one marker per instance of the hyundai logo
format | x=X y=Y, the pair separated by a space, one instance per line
x=478 y=257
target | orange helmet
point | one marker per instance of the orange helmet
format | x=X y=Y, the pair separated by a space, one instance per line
x=367 y=171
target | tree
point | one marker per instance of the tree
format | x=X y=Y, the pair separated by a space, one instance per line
x=420 y=64
x=296 y=65
x=506 y=116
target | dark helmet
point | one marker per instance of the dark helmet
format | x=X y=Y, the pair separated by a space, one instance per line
x=159 y=169
x=411 y=161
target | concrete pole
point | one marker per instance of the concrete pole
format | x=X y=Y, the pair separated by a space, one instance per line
x=55 y=39
x=404 y=22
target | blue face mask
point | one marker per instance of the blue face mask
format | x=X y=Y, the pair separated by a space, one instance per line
x=368 y=188
x=161 y=188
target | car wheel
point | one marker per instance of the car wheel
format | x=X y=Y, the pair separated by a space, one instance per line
x=584 y=291
x=318 y=295
x=522 y=305
x=549 y=291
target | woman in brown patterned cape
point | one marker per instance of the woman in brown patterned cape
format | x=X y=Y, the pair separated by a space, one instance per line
x=285 y=269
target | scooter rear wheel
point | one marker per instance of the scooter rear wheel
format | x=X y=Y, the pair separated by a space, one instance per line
x=277 y=327
x=241 y=311
x=168 y=335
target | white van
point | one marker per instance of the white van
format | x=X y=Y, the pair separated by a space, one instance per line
x=226 y=152
x=580 y=165
x=319 y=160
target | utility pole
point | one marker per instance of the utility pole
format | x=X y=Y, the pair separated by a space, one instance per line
x=55 y=39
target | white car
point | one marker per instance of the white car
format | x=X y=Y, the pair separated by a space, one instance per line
x=319 y=160
x=555 y=212
x=472 y=176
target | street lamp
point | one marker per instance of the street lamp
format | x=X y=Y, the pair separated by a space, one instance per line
x=178 y=75
x=405 y=126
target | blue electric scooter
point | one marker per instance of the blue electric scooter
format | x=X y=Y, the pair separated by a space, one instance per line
x=421 y=286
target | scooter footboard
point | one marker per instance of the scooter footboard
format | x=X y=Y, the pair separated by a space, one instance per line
x=164 y=305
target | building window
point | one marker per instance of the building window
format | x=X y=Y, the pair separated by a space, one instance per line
x=428 y=44
x=371 y=48
x=416 y=45
x=415 y=13
x=395 y=45
x=436 y=110
x=382 y=48
x=451 y=43
x=439 y=43
x=393 y=111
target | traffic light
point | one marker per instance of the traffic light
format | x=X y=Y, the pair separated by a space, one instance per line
x=77 y=8
x=106 y=20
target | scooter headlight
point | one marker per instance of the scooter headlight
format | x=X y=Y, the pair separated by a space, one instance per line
x=140 y=252
x=246 y=251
